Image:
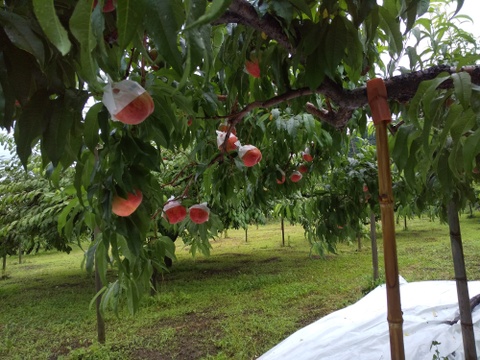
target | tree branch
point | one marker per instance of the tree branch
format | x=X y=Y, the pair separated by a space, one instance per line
x=400 y=88
x=242 y=12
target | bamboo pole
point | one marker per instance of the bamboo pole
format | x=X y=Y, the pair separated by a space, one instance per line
x=373 y=238
x=377 y=98
x=461 y=281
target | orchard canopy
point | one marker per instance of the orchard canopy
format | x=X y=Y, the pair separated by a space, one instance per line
x=239 y=94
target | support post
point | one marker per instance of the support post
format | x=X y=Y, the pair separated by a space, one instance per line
x=377 y=99
x=466 y=322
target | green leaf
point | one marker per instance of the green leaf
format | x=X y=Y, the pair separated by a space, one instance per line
x=7 y=98
x=214 y=11
x=54 y=137
x=81 y=28
x=130 y=15
x=31 y=124
x=426 y=88
x=462 y=83
x=47 y=17
x=302 y=6
x=471 y=149
x=92 y=127
x=335 y=43
x=20 y=33
x=390 y=25
x=163 y=21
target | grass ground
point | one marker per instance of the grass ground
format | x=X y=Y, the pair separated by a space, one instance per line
x=236 y=304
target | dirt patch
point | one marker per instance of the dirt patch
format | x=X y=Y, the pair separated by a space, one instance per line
x=194 y=338
x=66 y=347
x=272 y=259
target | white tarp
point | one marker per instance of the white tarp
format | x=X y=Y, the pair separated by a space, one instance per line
x=360 y=331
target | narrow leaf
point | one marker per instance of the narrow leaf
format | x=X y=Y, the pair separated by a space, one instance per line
x=463 y=87
x=129 y=16
x=20 y=33
x=48 y=19
x=163 y=20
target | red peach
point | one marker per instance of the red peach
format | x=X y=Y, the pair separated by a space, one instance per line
x=224 y=128
x=126 y=207
x=303 y=168
x=137 y=110
x=250 y=155
x=253 y=68
x=296 y=176
x=199 y=213
x=108 y=6
x=306 y=155
x=231 y=142
x=281 y=180
x=174 y=212
x=365 y=188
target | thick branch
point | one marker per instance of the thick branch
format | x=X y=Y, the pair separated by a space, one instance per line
x=400 y=88
x=242 y=12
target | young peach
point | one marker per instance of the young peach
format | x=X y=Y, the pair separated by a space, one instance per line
x=126 y=206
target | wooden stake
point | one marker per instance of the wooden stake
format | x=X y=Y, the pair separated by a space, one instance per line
x=377 y=98
x=98 y=287
x=461 y=281
x=373 y=238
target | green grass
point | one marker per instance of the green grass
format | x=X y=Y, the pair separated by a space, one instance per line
x=236 y=304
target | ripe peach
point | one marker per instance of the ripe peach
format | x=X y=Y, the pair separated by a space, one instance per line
x=365 y=188
x=199 y=213
x=126 y=207
x=128 y=102
x=281 y=180
x=137 y=110
x=253 y=68
x=250 y=155
x=174 y=212
x=231 y=142
x=303 y=168
x=306 y=155
x=108 y=5
x=224 y=128
x=296 y=176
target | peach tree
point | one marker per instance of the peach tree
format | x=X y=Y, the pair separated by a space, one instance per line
x=134 y=96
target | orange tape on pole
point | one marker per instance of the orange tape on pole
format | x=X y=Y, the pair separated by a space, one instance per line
x=377 y=99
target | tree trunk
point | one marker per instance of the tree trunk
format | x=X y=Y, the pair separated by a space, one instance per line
x=225 y=234
x=98 y=287
x=246 y=234
x=4 y=265
x=359 y=242
x=20 y=252
x=373 y=237
x=283 y=231
x=404 y=223
x=461 y=280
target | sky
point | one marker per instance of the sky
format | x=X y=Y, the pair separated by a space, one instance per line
x=470 y=8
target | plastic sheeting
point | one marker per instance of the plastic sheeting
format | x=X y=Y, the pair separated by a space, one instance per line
x=360 y=331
